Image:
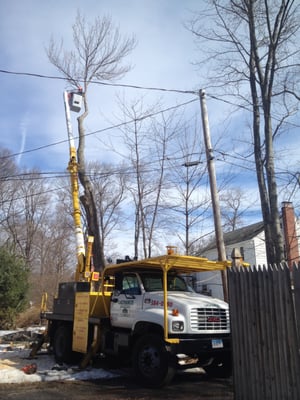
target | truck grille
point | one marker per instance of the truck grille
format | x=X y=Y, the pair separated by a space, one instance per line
x=207 y=319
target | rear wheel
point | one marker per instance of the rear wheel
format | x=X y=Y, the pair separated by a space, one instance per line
x=152 y=362
x=62 y=345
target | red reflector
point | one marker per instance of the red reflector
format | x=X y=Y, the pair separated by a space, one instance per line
x=95 y=276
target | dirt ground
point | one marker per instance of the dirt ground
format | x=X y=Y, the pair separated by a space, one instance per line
x=187 y=385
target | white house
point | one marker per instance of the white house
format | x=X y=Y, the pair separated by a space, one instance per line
x=250 y=241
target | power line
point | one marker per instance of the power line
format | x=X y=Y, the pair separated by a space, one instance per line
x=127 y=122
x=101 y=130
x=132 y=86
x=33 y=194
x=39 y=175
x=35 y=75
x=147 y=167
x=118 y=171
x=249 y=109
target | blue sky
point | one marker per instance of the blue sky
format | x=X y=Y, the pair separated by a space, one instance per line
x=32 y=110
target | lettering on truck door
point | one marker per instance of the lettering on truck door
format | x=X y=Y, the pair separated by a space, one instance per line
x=126 y=300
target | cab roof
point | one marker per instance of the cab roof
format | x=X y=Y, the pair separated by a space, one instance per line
x=172 y=262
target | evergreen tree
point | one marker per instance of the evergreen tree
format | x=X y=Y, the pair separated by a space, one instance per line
x=13 y=287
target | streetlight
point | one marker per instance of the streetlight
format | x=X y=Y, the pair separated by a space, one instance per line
x=191 y=163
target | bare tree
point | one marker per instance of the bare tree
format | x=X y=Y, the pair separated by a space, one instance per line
x=109 y=190
x=232 y=209
x=148 y=140
x=26 y=212
x=98 y=53
x=54 y=251
x=165 y=130
x=188 y=206
x=252 y=47
x=8 y=174
x=33 y=227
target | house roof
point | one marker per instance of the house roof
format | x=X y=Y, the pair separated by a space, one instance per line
x=238 y=235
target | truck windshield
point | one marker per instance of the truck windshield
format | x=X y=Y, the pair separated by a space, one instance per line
x=153 y=282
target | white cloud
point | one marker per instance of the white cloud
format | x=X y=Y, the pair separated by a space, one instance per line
x=23 y=131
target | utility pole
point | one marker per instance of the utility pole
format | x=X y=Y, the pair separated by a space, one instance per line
x=213 y=190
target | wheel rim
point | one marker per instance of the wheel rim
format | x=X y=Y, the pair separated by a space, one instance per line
x=149 y=360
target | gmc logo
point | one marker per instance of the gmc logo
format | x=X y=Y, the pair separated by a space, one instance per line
x=213 y=319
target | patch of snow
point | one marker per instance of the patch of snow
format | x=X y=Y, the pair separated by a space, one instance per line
x=14 y=357
x=5 y=333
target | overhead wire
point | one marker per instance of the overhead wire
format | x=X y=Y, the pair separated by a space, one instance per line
x=194 y=92
x=145 y=167
x=100 y=130
x=132 y=86
x=160 y=89
x=12 y=199
x=116 y=126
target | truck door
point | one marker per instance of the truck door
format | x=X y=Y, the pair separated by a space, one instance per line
x=126 y=301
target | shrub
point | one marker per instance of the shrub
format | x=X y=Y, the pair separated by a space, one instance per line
x=13 y=287
x=29 y=317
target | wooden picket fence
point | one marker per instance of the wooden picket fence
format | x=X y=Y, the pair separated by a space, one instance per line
x=265 y=325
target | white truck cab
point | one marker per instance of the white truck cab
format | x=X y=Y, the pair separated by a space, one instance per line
x=138 y=296
x=168 y=325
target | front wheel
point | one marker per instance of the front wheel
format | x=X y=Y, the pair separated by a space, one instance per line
x=152 y=362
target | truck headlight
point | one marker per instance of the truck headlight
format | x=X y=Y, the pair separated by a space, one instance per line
x=177 y=326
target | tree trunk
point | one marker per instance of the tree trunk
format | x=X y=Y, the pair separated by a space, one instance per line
x=276 y=238
x=87 y=199
x=265 y=169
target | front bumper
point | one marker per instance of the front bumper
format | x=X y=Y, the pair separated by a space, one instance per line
x=201 y=349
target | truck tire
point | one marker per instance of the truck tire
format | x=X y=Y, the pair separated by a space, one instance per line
x=220 y=368
x=152 y=362
x=62 y=344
